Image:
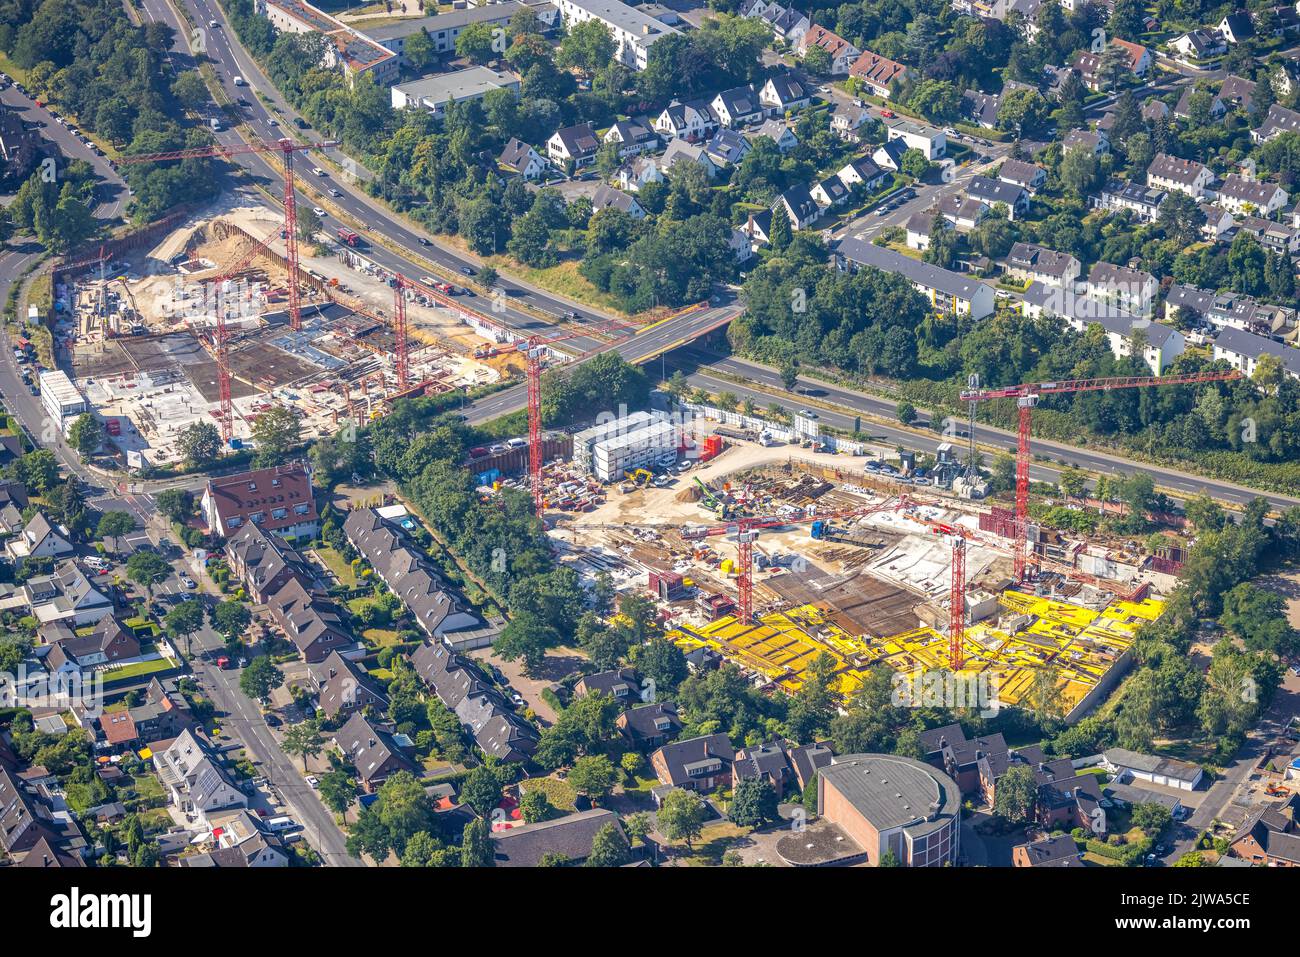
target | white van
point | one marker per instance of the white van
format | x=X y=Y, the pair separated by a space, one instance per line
x=277 y=824
x=239 y=81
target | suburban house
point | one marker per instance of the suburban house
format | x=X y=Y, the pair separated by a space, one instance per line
x=830 y=192
x=1128 y=290
x=372 y=750
x=1236 y=27
x=847 y=121
x=932 y=143
x=1030 y=263
x=25 y=820
x=1250 y=197
x=947 y=290
x=341 y=687
x=463 y=689
x=521 y=159
x=683 y=151
x=738 y=106
x=1269 y=836
x=621 y=685
x=194 y=778
x=696 y=764
x=573 y=144
x=889 y=155
x=650 y=725
x=265 y=563
x=727 y=148
x=1094 y=141
x=692 y=120
x=632 y=138
x=877 y=73
x=107 y=642
x=994 y=192
x=607 y=197
x=963 y=212
x=919 y=227
x=784 y=765
x=1278 y=237
x=67 y=596
x=1028 y=176
x=1143 y=201
x=240 y=841
x=571 y=837
x=1219 y=222
x=1187 y=176
x=782 y=94
x=1278 y=120
x=408 y=575
x=786 y=23
x=799 y=206
x=40 y=538
x=1088 y=65
x=1058 y=851
x=981 y=108
x=1198 y=45
x=639 y=172
x=758 y=227
x=842 y=52
x=280 y=499
x=864 y=171
x=310 y=620
x=778 y=133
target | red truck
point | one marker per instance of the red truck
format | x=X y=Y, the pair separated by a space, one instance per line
x=348 y=236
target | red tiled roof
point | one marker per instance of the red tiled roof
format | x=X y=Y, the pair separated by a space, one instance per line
x=265 y=490
x=118 y=727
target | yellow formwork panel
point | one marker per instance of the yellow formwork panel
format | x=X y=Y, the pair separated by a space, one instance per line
x=1078 y=644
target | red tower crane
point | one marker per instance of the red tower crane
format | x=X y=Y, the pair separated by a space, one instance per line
x=400 y=285
x=286 y=148
x=747 y=529
x=1027 y=396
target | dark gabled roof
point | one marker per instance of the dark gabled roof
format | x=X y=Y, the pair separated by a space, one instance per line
x=740 y=100
x=994 y=191
x=786 y=88
x=768 y=759
x=679 y=756
x=609 y=682
x=800 y=201
x=1175 y=169
x=1059 y=851
x=369 y=747
x=515 y=155
x=45 y=853
x=650 y=721
x=570 y=836
x=339 y=683
x=265 y=555
x=935 y=740
x=579 y=140
x=307 y=617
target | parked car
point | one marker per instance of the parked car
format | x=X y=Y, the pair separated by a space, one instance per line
x=313 y=782
x=188 y=582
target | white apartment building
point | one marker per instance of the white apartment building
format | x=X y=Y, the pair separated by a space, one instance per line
x=634 y=32
x=62 y=400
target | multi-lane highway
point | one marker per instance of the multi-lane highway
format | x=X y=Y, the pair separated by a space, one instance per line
x=763 y=386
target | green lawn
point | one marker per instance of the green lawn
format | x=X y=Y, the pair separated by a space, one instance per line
x=380 y=637
x=138 y=669
x=560 y=793
x=338 y=565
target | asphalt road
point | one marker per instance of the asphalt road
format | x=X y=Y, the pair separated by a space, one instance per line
x=231 y=60
x=763 y=386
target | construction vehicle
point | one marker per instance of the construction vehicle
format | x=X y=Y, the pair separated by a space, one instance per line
x=639 y=477
x=825 y=531
x=347 y=236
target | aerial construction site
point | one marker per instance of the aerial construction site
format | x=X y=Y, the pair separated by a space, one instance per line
x=767 y=550
x=201 y=328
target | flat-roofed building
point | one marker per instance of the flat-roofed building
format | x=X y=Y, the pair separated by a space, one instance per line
x=435 y=93
x=893 y=805
x=634 y=32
